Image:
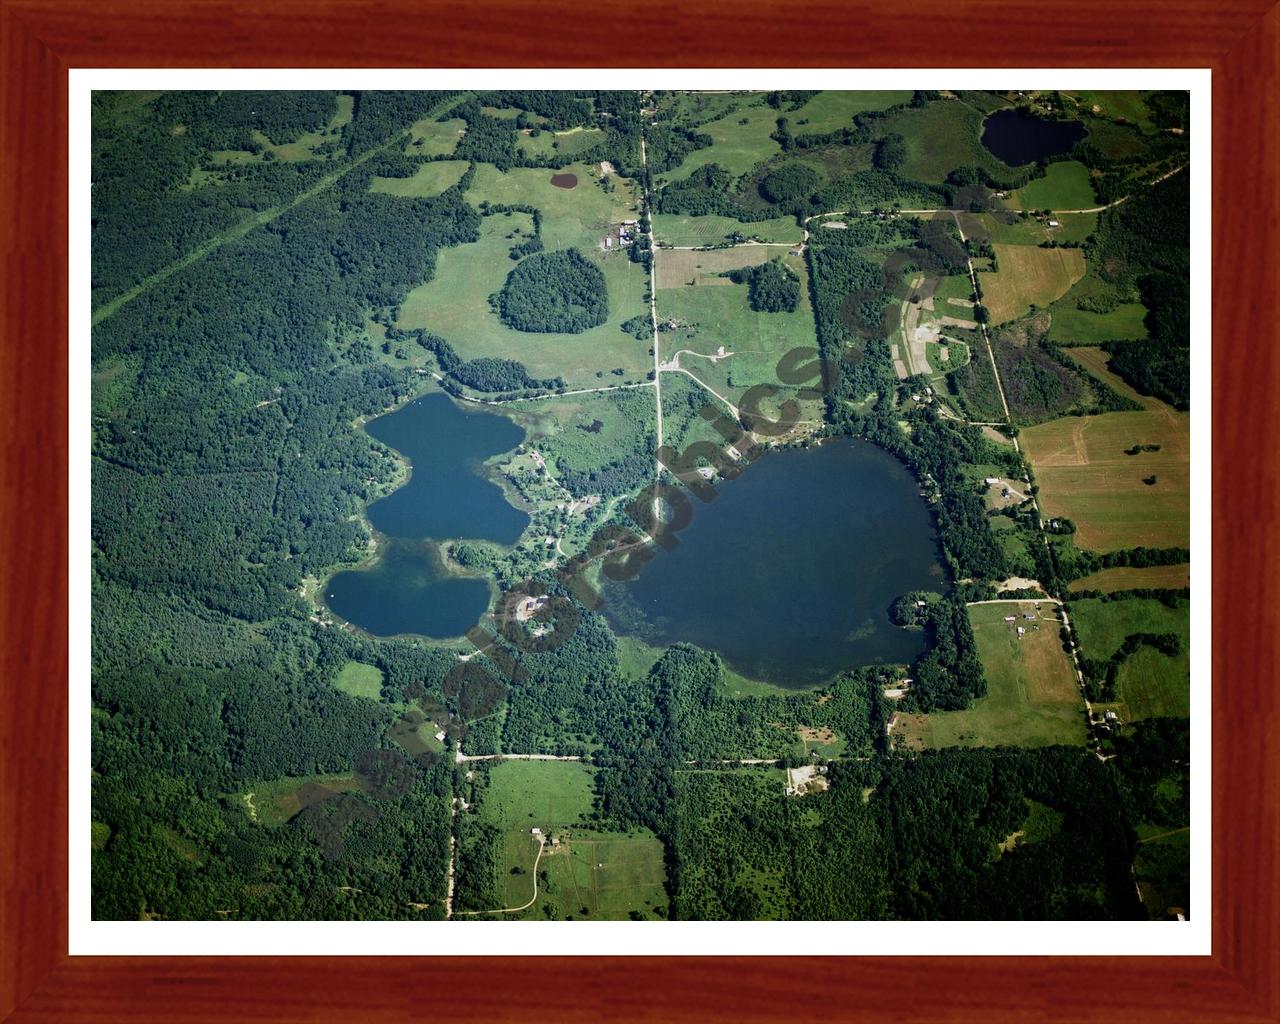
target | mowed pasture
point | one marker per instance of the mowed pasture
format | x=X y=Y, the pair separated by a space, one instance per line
x=1083 y=472
x=1149 y=683
x=1152 y=577
x=455 y=305
x=1065 y=186
x=832 y=109
x=430 y=179
x=360 y=680
x=679 y=268
x=1033 y=698
x=566 y=143
x=541 y=794
x=711 y=229
x=1028 y=276
x=589 y=876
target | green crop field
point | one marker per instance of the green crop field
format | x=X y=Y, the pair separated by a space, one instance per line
x=1149 y=683
x=682 y=229
x=1084 y=473
x=1028 y=276
x=1033 y=699
x=1065 y=185
x=455 y=305
x=1153 y=577
x=430 y=179
x=360 y=680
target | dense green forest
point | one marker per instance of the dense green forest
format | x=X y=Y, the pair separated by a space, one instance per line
x=554 y=293
x=247 y=305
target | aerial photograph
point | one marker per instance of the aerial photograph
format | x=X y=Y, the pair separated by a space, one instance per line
x=641 y=505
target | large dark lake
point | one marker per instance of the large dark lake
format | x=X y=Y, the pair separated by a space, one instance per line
x=790 y=572
x=446 y=497
x=1017 y=137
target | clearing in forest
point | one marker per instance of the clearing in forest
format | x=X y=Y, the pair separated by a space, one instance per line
x=1033 y=698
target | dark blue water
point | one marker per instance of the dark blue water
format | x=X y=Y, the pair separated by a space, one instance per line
x=790 y=573
x=1017 y=137
x=447 y=496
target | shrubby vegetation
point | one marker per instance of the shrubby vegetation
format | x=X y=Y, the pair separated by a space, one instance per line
x=773 y=286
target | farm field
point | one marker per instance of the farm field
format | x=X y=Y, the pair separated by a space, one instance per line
x=1084 y=473
x=1149 y=683
x=588 y=876
x=1033 y=699
x=1074 y=326
x=709 y=317
x=1028 y=276
x=1118 y=104
x=455 y=305
x=833 y=108
x=1153 y=577
x=566 y=143
x=679 y=268
x=1065 y=186
x=430 y=179
x=360 y=680
x=684 y=229
x=542 y=794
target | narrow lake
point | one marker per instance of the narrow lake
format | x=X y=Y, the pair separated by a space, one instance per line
x=1017 y=137
x=446 y=497
x=790 y=572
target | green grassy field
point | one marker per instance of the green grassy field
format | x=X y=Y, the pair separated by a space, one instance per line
x=1149 y=683
x=1126 y=104
x=736 y=147
x=430 y=137
x=1007 y=227
x=429 y=179
x=1084 y=473
x=834 y=108
x=304 y=147
x=588 y=432
x=1154 y=577
x=682 y=229
x=1028 y=276
x=360 y=680
x=1032 y=698
x=567 y=143
x=542 y=794
x=721 y=315
x=275 y=802
x=455 y=305
x=1072 y=326
x=1065 y=185
x=940 y=137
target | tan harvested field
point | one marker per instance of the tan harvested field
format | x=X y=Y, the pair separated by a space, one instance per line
x=1028 y=276
x=678 y=268
x=1155 y=577
x=1084 y=473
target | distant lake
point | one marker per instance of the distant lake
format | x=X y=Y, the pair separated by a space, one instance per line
x=790 y=572
x=1017 y=137
x=446 y=497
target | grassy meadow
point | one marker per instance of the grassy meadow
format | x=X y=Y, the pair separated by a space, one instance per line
x=1033 y=699
x=1149 y=683
x=1028 y=276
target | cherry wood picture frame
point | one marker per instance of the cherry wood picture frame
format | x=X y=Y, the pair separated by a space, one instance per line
x=41 y=39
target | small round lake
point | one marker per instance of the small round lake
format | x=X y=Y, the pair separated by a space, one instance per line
x=447 y=497
x=1018 y=138
x=790 y=572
